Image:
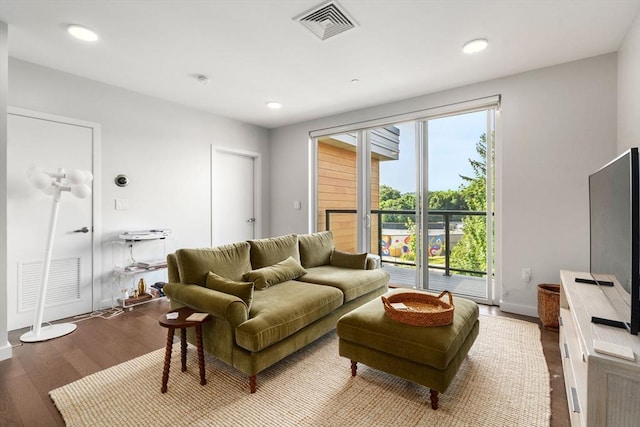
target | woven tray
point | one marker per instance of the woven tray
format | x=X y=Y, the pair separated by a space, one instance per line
x=423 y=309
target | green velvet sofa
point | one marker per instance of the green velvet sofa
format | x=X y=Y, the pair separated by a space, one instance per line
x=270 y=297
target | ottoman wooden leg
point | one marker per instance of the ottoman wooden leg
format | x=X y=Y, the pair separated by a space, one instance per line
x=354 y=368
x=252 y=383
x=434 y=399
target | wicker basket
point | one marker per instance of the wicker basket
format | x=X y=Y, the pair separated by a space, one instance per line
x=549 y=305
x=423 y=309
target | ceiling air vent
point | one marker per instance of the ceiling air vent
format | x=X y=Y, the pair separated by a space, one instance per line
x=327 y=20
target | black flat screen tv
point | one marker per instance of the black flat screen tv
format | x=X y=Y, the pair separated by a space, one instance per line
x=614 y=215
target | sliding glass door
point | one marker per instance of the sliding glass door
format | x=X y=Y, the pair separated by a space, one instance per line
x=418 y=193
x=459 y=204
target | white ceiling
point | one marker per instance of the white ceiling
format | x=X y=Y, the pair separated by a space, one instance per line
x=255 y=52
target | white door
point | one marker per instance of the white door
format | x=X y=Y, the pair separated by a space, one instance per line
x=233 y=179
x=47 y=144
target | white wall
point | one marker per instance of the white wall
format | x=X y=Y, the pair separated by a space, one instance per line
x=163 y=147
x=558 y=125
x=5 y=348
x=629 y=89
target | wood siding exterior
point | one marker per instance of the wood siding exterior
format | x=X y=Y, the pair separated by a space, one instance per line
x=337 y=190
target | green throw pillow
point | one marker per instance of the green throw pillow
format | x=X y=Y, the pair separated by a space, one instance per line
x=230 y=261
x=243 y=290
x=315 y=248
x=267 y=252
x=264 y=277
x=348 y=260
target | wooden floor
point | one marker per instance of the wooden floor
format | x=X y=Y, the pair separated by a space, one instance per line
x=97 y=344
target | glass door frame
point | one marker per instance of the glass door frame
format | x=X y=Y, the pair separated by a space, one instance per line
x=363 y=190
x=421 y=119
x=422 y=204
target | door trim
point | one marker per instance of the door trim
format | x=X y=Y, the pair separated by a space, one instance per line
x=96 y=193
x=257 y=188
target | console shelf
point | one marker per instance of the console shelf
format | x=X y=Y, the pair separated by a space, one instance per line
x=602 y=390
x=135 y=257
x=132 y=302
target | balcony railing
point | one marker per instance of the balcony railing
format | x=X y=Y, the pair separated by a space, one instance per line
x=444 y=226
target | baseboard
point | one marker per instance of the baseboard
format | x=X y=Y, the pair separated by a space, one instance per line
x=525 y=310
x=5 y=352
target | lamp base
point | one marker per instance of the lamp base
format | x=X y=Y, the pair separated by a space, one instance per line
x=49 y=332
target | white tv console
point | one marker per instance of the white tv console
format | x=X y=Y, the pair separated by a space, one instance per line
x=602 y=390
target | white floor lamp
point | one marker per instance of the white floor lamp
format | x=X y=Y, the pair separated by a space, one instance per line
x=54 y=183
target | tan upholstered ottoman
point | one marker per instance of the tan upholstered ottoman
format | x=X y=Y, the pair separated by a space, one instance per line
x=429 y=356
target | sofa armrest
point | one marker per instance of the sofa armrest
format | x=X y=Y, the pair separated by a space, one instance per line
x=218 y=304
x=172 y=269
x=373 y=262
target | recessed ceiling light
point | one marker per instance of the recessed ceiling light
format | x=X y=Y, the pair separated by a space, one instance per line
x=82 y=33
x=475 y=46
x=202 y=79
x=274 y=105
x=355 y=81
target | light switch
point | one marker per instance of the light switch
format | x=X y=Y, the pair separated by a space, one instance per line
x=297 y=204
x=122 y=204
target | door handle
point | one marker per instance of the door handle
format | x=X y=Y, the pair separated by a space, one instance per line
x=82 y=230
x=251 y=220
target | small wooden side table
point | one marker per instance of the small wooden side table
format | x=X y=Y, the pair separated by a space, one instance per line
x=182 y=323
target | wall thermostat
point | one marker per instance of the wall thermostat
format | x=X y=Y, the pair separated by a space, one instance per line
x=122 y=180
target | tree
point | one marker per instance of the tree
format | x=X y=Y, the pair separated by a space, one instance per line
x=447 y=200
x=392 y=200
x=470 y=253
x=388 y=193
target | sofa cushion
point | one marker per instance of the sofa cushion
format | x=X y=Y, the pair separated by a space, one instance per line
x=264 y=277
x=266 y=252
x=348 y=260
x=281 y=310
x=353 y=283
x=230 y=261
x=243 y=290
x=315 y=248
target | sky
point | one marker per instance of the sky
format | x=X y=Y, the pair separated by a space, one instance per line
x=452 y=142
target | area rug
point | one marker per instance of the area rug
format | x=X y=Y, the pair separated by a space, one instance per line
x=503 y=382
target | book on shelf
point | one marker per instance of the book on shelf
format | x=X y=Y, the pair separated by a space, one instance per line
x=154 y=263
x=135 y=300
x=158 y=286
